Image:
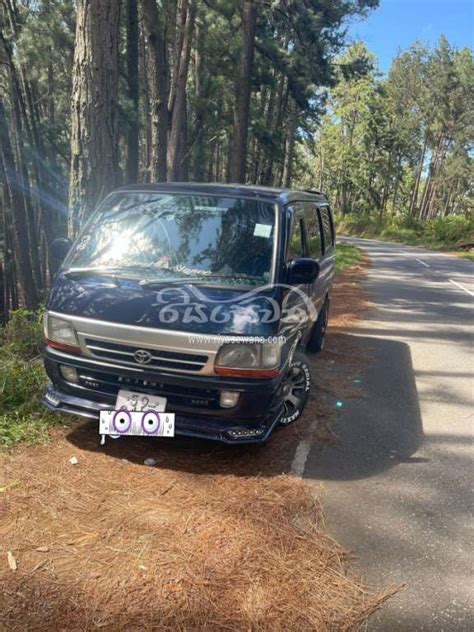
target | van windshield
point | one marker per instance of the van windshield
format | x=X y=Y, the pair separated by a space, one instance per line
x=161 y=237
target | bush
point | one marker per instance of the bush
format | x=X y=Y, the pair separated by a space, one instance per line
x=443 y=232
x=23 y=381
x=358 y=224
x=396 y=233
x=22 y=417
x=450 y=230
x=24 y=333
x=347 y=256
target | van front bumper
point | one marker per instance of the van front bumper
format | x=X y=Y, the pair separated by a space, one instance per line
x=186 y=425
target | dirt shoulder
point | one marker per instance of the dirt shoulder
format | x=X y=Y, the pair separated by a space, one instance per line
x=211 y=538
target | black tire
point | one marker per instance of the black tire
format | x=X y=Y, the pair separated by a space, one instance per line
x=295 y=388
x=317 y=338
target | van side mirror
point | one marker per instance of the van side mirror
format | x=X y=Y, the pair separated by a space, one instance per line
x=59 y=248
x=302 y=271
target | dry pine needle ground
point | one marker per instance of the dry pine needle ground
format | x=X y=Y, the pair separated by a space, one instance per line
x=212 y=538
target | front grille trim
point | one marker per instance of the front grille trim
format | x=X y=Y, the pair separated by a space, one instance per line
x=160 y=359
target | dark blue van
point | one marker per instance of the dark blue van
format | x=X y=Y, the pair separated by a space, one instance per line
x=187 y=309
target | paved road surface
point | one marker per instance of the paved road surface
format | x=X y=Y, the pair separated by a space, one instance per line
x=397 y=490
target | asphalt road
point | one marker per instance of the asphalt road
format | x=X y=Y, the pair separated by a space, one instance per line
x=397 y=489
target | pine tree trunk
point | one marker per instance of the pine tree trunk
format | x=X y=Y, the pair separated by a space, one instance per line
x=289 y=145
x=158 y=84
x=242 y=94
x=177 y=139
x=28 y=150
x=133 y=91
x=435 y=159
x=448 y=198
x=18 y=218
x=416 y=186
x=94 y=129
x=265 y=160
x=20 y=131
x=199 y=154
x=145 y=121
x=282 y=103
x=396 y=186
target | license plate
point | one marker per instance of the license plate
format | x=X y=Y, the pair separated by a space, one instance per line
x=138 y=402
x=149 y=423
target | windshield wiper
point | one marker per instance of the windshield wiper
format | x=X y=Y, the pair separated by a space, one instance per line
x=72 y=273
x=217 y=275
x=118 y=271
x=152 y=283
x=149 y=284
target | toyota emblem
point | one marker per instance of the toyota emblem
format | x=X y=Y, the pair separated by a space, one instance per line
x=142 y=356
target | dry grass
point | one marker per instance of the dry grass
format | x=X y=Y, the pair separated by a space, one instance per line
x=212 y=538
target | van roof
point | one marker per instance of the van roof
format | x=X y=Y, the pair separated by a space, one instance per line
x=270 y=194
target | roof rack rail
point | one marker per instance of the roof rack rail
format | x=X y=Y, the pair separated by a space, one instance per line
x=314 y=192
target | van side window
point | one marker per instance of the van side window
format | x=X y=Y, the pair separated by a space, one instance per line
x=296 y=242
x=314 y=231
x=328 y=230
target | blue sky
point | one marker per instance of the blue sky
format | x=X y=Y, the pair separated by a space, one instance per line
x=398 y=23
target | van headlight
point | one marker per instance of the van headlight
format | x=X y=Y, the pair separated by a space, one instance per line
x=248 y=359
x=60 y=334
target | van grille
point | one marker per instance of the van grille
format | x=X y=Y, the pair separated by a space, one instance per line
x=179 y=396
x=159 y=359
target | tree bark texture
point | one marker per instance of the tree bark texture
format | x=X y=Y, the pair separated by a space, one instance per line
x=18 y=218
x=158 y=89
x=133 y=91
x=177 y=145
x=94 y=128
x=242 y=95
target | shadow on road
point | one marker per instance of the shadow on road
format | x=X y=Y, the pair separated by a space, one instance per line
x=378 y=426
x=379 y=429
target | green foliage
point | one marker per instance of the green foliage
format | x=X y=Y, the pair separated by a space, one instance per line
x=444 y=233
x=22 y=382
x=22 y=417
x=363 y=225
x=402 y=144
x=451 y=231
x=24 y=333
x=347 y=256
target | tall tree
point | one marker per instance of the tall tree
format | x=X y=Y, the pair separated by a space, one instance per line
x=16 y=202
x=242 y=93
x=177 y=147
x=133 y=91
x=94 y=129
x=155 y=29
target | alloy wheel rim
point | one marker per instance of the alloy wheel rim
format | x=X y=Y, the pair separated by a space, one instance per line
x=293 y=390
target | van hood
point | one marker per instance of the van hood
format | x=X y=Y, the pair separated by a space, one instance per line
x=187 y=307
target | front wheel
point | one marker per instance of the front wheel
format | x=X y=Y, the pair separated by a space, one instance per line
x=317 y=339
x=295 y=388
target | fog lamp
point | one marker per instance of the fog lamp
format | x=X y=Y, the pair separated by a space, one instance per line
x=229 y=399
x=69 y=373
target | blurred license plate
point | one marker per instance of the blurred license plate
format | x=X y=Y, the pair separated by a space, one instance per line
x=149 y=423
x=139 y=401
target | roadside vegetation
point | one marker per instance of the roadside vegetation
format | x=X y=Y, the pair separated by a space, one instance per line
x=453 y=234
x=394 y=152
x=347 y=256
x=22 y=381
